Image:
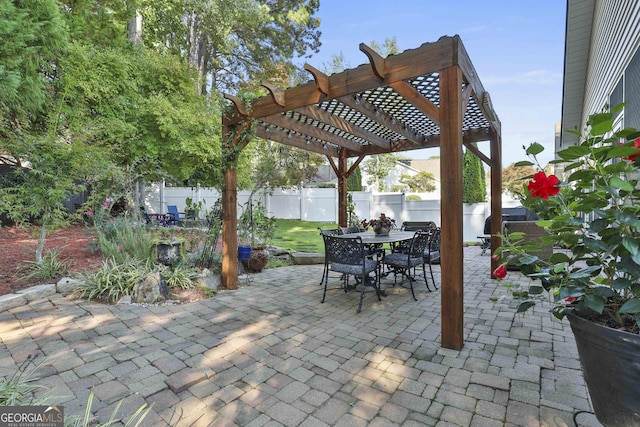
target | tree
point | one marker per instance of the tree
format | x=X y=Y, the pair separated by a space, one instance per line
x=378 y=167
x=475 y=187
x=276 y=165
x=513 y=180
x=422 y=182
x=354 y=182
x=32 y=37
x=233 y=43
x=142 y=106
x=52 y=176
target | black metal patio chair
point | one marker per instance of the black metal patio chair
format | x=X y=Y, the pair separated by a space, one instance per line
x=347 y=255
x=432 y=255
x=403 y=262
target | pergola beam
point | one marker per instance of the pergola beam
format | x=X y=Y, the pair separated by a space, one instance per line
x=311 y=131
x=282 y=136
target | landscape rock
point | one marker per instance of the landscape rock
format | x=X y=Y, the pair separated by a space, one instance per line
x=67 y=285
x=150 y=289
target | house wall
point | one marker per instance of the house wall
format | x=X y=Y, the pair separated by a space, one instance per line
x=614 y=42
x=321 y=204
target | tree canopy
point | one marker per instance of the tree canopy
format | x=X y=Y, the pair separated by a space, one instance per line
x=513 y=180
x=233 y=42
x=74 y=87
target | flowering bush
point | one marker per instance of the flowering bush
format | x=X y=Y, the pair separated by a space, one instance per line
x=594 y=218
x=376 y=224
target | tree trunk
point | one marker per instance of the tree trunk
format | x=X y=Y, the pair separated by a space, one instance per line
x=41 y=240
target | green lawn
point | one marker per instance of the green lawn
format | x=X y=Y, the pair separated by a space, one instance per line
x=301 y=236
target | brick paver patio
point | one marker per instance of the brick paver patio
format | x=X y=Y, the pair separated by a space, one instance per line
x=269 y=354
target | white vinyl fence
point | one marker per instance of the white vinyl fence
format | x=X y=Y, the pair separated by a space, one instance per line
x=321 y=204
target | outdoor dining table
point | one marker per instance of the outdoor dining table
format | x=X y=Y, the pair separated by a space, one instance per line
x=370 y=238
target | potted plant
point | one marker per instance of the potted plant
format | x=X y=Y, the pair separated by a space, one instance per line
x=192 y=209
x=381 y=226
x=594 y=216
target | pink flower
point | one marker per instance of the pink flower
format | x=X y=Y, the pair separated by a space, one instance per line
x=112 y=219
x=543 y=186
x=89 y=213
x=500 y=272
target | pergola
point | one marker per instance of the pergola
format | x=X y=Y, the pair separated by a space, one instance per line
x=422 y=98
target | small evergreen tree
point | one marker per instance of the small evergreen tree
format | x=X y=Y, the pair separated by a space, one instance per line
x=354 y=182
x=474 y=188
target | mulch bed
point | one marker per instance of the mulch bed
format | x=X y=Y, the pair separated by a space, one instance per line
x=18 y=246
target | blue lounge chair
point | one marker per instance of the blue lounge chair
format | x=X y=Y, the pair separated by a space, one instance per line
x=173 y=215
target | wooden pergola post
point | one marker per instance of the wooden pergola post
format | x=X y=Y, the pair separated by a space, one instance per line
x=229 y=273
x=496 y=194
x=451 y=246
x=342 y=189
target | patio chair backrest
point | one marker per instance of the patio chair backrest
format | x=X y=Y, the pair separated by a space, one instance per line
x=419 y=244
x=349 y=230
x=418 y=225
x=434 y=242
x=173 y=211
x=344 y=250
x=329 y=231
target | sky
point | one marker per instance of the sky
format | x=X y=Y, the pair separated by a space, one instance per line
x=516 y=47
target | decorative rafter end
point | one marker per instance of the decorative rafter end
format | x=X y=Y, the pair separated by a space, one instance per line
x=276 y=93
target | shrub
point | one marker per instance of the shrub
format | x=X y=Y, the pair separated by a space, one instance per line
x=179 y=276
x=50 y=267
x=124 y=239
x=114 y=279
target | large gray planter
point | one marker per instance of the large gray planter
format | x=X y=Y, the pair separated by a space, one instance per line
x=611 y=367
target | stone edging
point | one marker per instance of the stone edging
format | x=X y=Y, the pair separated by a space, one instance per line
x=65 y=286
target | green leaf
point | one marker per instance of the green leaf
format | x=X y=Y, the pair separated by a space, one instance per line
x=621 y=283
x=525 y=306
x=528 y=260
x=601 y=127
x=584 y=175
x=574 y=152
x=559 y=257
x=595 y=245
x=631 y=245
x=524 y=163
x=594 y=303
x=616 y=168
x=631 y=307
x=603 y=291
x=536 y=290
x=616 y=182
x=535 y=149
x=621 y=151
x=584 y=272
x=627 y=218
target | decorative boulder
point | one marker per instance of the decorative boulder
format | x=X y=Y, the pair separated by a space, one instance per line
x=150 y=289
